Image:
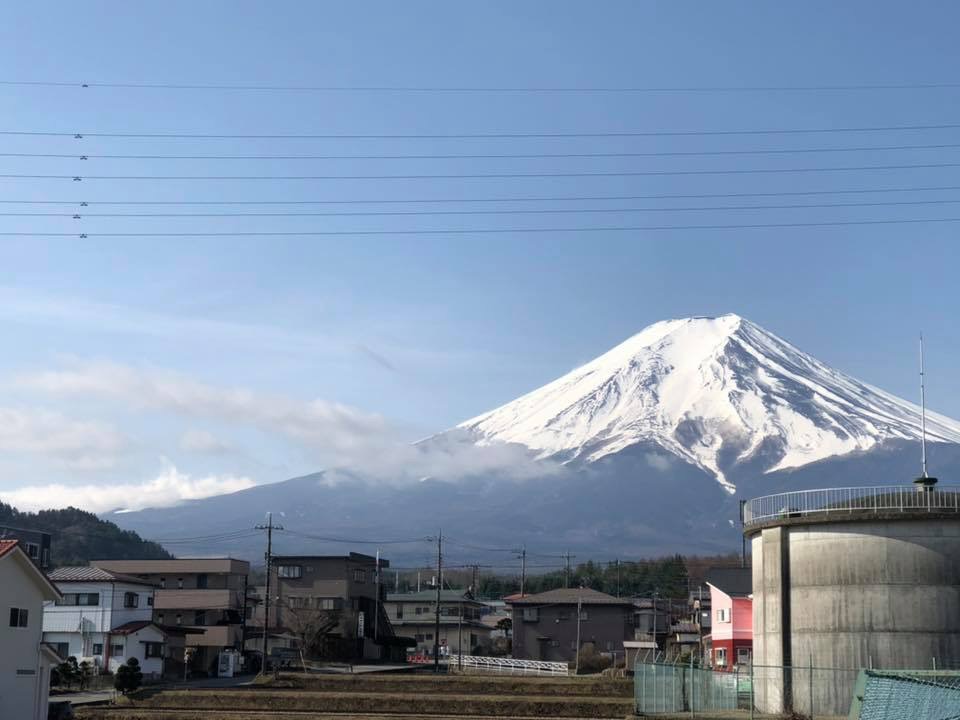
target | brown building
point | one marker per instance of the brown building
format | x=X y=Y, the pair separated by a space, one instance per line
x=205 y=594
x=330 y=603
x=545 y=624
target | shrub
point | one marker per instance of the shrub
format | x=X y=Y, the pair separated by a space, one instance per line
x=128 y=677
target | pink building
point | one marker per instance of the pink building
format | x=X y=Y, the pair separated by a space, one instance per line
x=731 y=602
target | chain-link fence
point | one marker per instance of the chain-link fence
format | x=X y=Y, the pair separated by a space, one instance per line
x=895 y=694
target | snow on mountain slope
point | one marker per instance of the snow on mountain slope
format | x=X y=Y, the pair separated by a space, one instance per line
x=716 y=392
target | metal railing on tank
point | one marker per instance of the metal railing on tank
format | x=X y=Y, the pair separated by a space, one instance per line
x=876 y=500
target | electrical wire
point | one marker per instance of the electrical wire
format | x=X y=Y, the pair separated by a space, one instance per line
x=77 y=135
x=491 y=156
x=562 y=198
x=309 y=536
x=486 y=231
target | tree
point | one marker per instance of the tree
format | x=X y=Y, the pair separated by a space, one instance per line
x=128 y=677
x=85 y=673
x=68 y=672
x=505 y=625
x=311 y=625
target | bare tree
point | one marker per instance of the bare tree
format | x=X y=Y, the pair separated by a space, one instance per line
x=310 y=624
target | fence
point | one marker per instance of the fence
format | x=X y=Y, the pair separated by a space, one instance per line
x=510 y=665
x=811 y=692
x=893 y=694
x=857 y=500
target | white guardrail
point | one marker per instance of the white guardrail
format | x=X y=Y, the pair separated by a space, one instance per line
x=510 y=665
x=852 y=500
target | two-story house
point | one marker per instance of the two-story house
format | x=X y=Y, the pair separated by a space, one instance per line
x=105 y=618
x=545 y=624
x=338 y=592
x=25 y=661
x=413 y=615
x=731 y=602
x=205 y=596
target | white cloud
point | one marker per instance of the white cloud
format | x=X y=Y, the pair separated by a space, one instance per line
x=170 y=487
x=78 y=444
x=202 y=441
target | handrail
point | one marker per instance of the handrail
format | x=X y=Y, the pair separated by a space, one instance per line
x=880 y=499
x=499 y=664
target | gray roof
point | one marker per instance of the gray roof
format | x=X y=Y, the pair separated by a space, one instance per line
x=735 y=581
x=570 y=596
x=87 y=573
x=446 y=596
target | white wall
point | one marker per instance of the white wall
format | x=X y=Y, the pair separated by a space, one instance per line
x=108 y=615
x=134 y=647
x=20 y=695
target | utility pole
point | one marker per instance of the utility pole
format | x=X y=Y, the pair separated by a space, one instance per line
x=523 y=570
x=418 y=581
x=269 y=527
x=743 y=537
x=579 y=616
x=436 y=622
x=396 y=581
x=618 y=577
x=460 y=637
x=566 y=581
x=243 y=618
x=376 y=604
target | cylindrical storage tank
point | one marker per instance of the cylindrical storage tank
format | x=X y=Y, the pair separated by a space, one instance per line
x=841 y=592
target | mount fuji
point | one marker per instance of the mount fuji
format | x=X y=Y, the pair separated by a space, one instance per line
x=646 y=449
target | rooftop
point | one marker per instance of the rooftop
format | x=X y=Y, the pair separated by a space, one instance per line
x=7 y=546
x=353 y=557
x=570 y=596
x=735 y=581
x=88 y=573
x=446 y=596
x=211 y=566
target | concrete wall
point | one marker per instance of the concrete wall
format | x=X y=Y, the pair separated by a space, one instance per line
x=850 y=595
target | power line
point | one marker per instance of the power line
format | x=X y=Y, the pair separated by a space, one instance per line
x=429 y=213
x=77 y=135
x=491 y=156
x=485 y=231
x=268 y=87
x=561 y=198
x=495 y=176
x=352 y=540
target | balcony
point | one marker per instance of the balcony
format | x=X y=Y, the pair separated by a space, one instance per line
x=197 y=600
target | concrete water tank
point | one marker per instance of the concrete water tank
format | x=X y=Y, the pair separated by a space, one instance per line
x=846 y=579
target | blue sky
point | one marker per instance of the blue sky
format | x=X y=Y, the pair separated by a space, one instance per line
x=175 y=367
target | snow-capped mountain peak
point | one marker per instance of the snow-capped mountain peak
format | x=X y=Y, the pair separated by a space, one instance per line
x=714 y=391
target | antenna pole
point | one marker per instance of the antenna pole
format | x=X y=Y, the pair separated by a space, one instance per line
x=923 y=416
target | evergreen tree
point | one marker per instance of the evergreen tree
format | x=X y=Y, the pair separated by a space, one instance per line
x=128 y=677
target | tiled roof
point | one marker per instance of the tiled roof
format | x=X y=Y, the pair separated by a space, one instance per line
x=88 y=573
x=570 y=596
x=735 y=582
x=7 y=546
x=130 y=627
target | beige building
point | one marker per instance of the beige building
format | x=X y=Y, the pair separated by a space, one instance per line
x=25 y=661
x=413 y=615
x=207 y=594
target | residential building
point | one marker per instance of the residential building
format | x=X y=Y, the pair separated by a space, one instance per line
x=414 y=615
x=25 y=661
x=545 y=624
x=204 y=594
x=731 y=602
x=340 y=591
x=651 y=619
x=106 y=618
x=35 y=543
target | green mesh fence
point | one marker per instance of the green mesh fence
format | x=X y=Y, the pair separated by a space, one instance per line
x=896 y=694
x=666 y=688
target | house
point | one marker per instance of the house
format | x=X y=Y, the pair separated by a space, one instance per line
x=106 y=618
x=339 y=594
x=25 y=661
x=197 y=594
x=414 y=614
x=651 y=619
x=35 y=543
x=545 y=624
x=731 y=601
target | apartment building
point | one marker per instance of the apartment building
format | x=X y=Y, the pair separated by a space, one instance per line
x=201 y=594
x=106 y=618
x=35 y=543
x=413 y=615
x=340 y=590
x=25 y=661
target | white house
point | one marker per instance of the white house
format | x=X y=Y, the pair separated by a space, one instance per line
x=24 y=660
x=106 y=618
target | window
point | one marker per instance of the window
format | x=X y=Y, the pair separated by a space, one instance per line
x=723 y=615
x=359 y=575
x=428 y=636
x=399 y=611
x=18 y=617
x=179 y=618
x=720 y=657
x=328 y=603
x=97 y=649
x=89 y=599
x=63 y=649
x=200 y=617
x=743 y=656
x=179 y=583
x=131 y=600
x=116 y=649
x=202 y=581
x=418 y=611
x=160 y=619
x=531 y=614
x=290 y=571
x=153 y=650
x=163 y=583
x=296 y=602
x=149 y=600
x=419 y=637
x=33 y=551
x=583 y=615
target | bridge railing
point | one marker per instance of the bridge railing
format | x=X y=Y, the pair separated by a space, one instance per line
x=852 y=500
x=510 y=665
